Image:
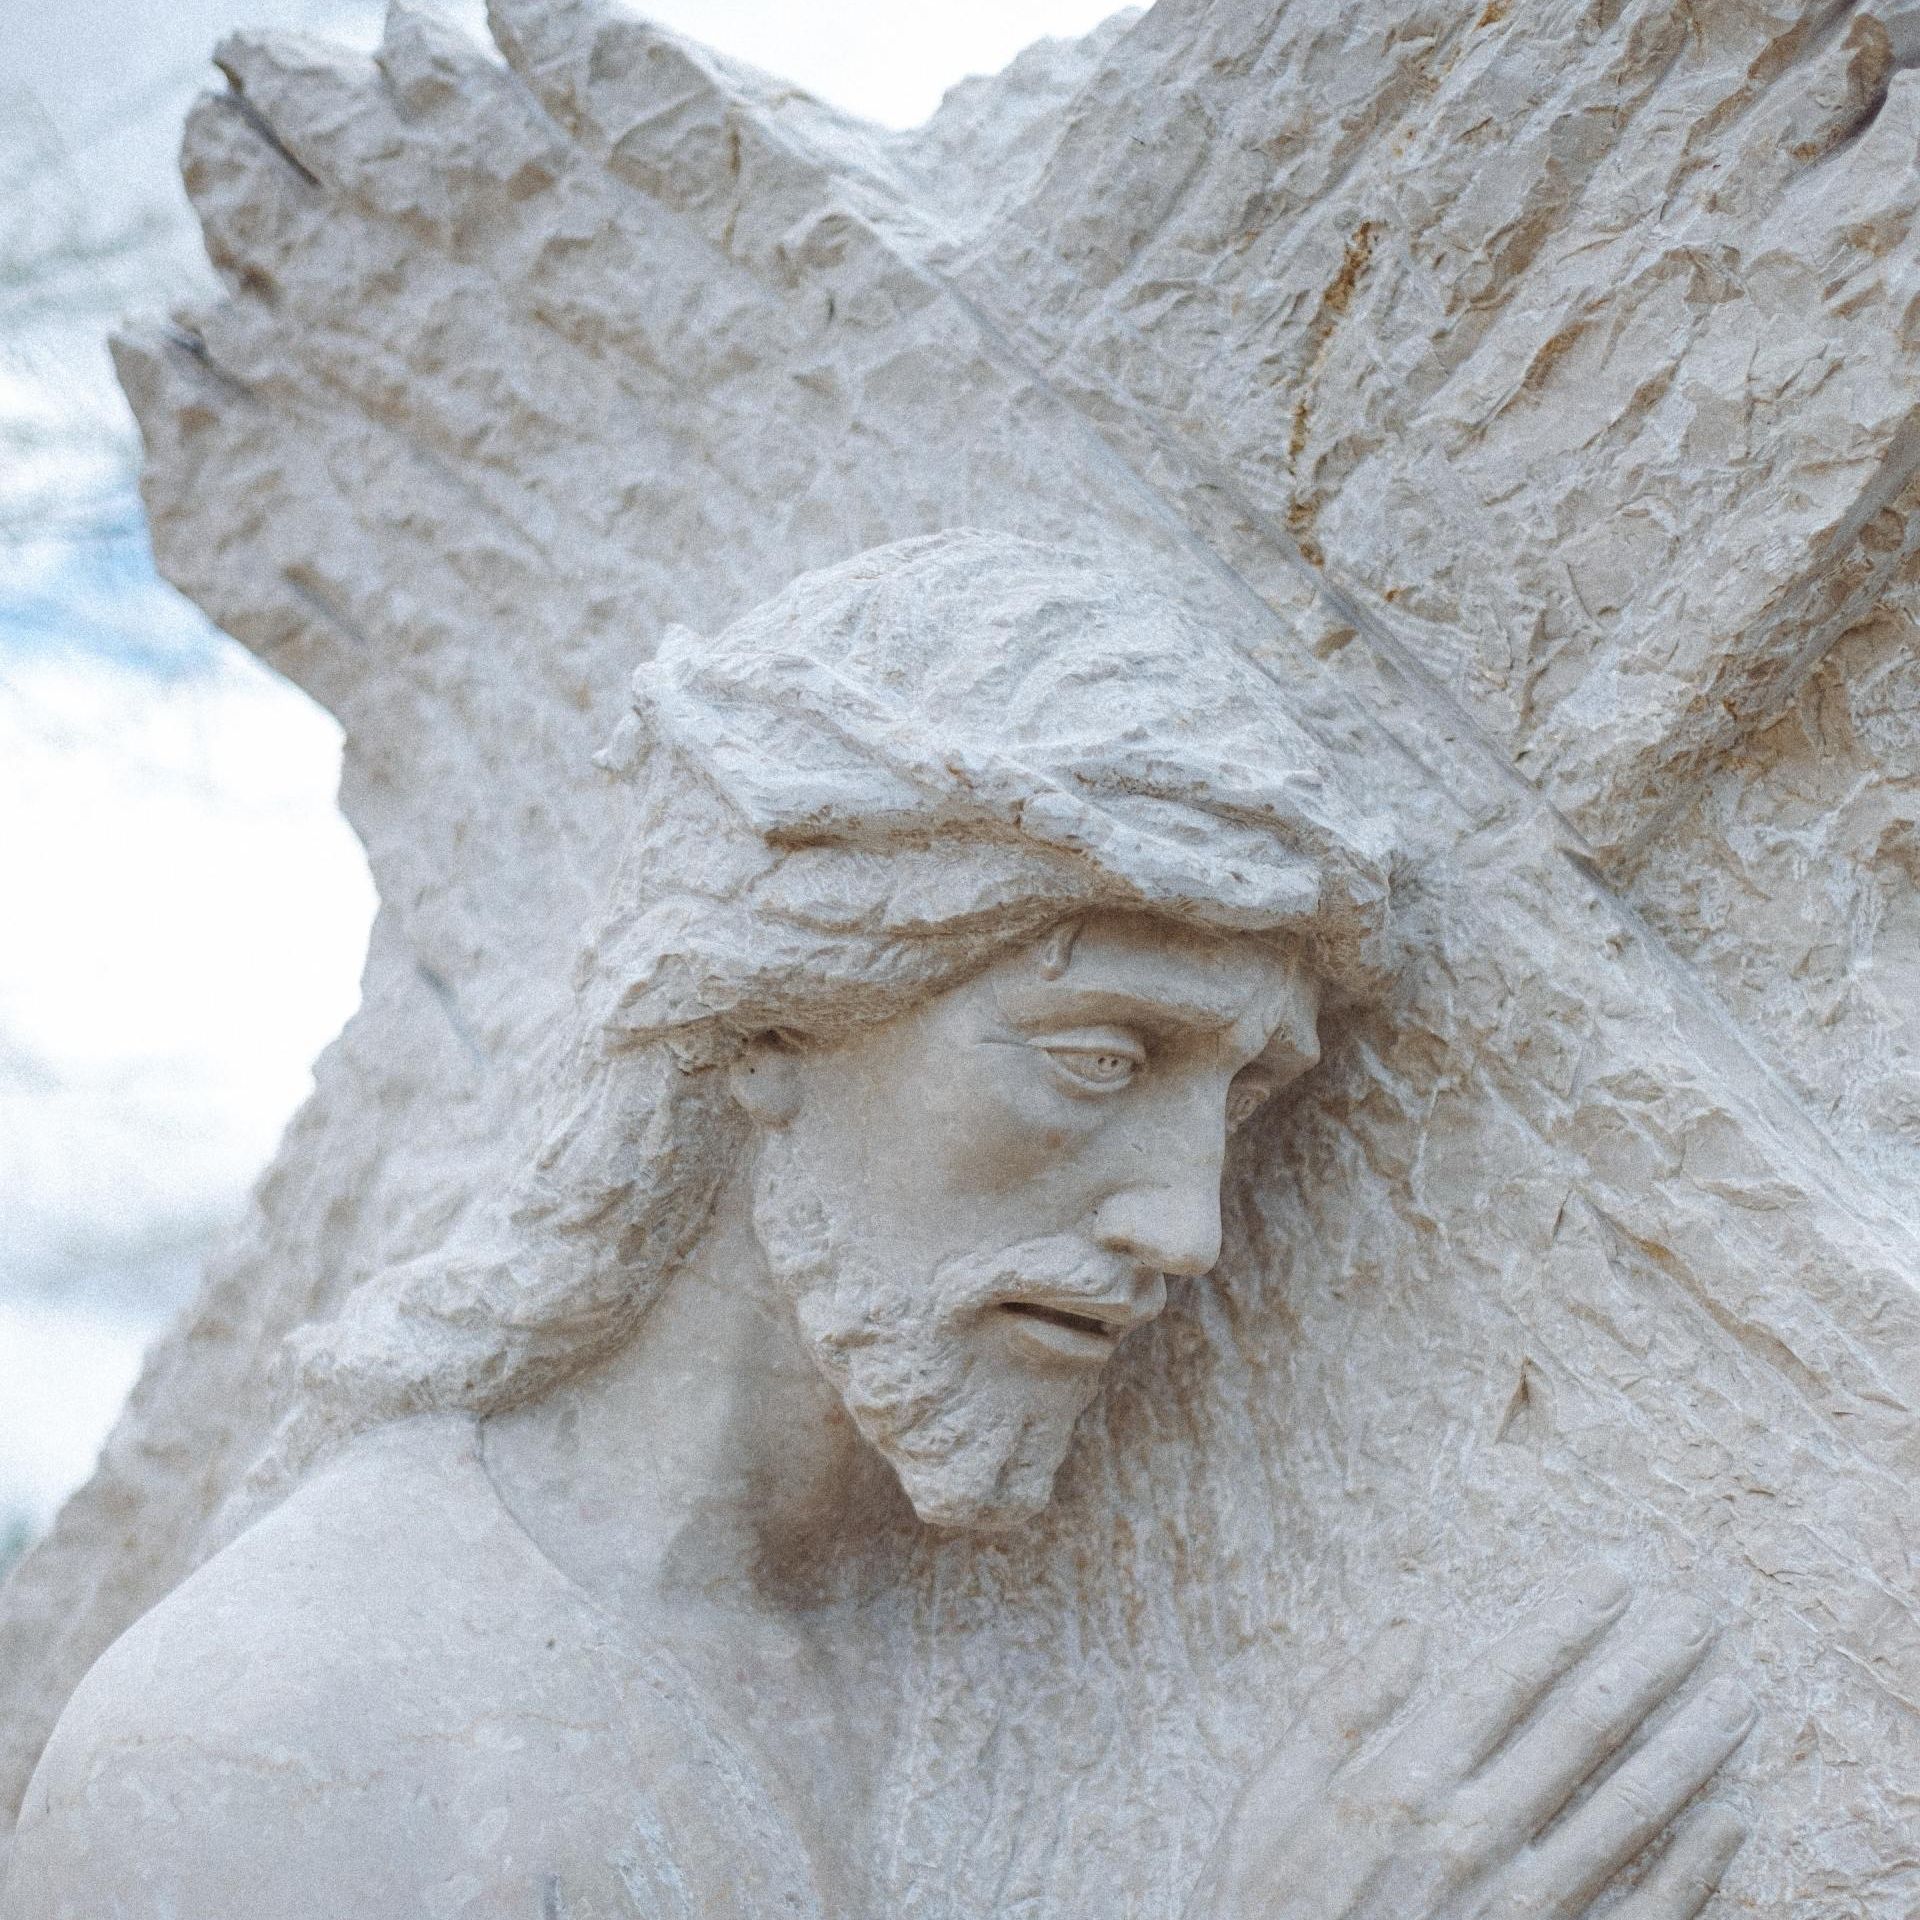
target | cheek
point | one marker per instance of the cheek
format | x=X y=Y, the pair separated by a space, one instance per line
x=992 y=1122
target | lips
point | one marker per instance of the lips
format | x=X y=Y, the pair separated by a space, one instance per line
x=1085 y=1333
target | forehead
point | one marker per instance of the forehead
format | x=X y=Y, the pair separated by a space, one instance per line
x=1131 y=965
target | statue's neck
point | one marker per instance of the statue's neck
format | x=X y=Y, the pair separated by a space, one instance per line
x=708 y=1463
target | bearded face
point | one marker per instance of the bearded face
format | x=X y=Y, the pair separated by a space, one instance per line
x=975 y=1434
x=971 y=1207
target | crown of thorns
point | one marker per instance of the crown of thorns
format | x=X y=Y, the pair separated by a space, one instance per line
x=965 y=734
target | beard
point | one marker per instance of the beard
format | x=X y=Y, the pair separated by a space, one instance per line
x=974 y=1436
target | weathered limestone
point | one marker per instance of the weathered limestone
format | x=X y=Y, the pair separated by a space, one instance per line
x=1530 y=392
x=975 y=898
x=1793 y=878
x=1533 y=330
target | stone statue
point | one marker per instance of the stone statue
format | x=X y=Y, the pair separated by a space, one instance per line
x=975 y=896
x=1505 y=417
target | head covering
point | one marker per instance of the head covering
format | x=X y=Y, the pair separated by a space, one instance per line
x=965 y=731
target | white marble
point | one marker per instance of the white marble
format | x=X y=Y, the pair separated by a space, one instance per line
x=1443 y=480
x=975 y=897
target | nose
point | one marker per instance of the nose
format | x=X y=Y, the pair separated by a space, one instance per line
x=1172 y=1226
x=1163 y=1208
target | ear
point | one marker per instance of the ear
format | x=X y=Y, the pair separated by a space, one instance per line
x=765 y=1079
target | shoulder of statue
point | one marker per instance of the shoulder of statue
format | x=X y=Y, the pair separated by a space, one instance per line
x=372 y=1684
x=379 y=1694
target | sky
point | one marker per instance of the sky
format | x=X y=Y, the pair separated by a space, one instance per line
x=887 y=59
x=183 y=912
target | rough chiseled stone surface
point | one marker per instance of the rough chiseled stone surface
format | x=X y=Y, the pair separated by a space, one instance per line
x=1572 y=342
x=1534 y=388
x=1792 y=878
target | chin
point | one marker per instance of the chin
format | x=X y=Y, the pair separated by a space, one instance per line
x=993 y=1515
x=964 y=1498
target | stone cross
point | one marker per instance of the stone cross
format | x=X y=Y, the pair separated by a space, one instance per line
x=1530 y=393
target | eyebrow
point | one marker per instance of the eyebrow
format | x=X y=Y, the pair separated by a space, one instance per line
x=1028 y=1001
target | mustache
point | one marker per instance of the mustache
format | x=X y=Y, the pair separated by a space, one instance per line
x=1062 y=1269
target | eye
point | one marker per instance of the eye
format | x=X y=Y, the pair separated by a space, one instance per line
x=1097 y=1061
x=1097 y=1069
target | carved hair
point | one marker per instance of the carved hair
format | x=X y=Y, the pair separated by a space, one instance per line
x=857 y=796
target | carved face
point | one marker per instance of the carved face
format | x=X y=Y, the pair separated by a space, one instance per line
x=972 y=1205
